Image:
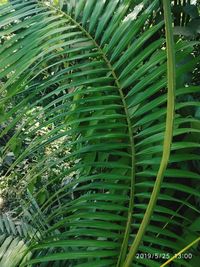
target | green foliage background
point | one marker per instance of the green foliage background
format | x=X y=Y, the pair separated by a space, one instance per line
x=83 y=88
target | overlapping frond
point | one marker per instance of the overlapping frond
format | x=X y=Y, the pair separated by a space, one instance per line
x=14 y=241
x=84 y=105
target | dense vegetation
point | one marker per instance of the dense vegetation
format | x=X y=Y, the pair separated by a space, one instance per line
x=99 y=133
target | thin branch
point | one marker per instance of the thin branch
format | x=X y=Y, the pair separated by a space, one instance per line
x=181 y=251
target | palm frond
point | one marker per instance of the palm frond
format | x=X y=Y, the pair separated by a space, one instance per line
x=14 y=236
x=84 y=98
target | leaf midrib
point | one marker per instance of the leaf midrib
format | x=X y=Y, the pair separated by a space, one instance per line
x=130 y=132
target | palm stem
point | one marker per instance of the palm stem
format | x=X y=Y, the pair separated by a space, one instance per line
x=167 y=137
